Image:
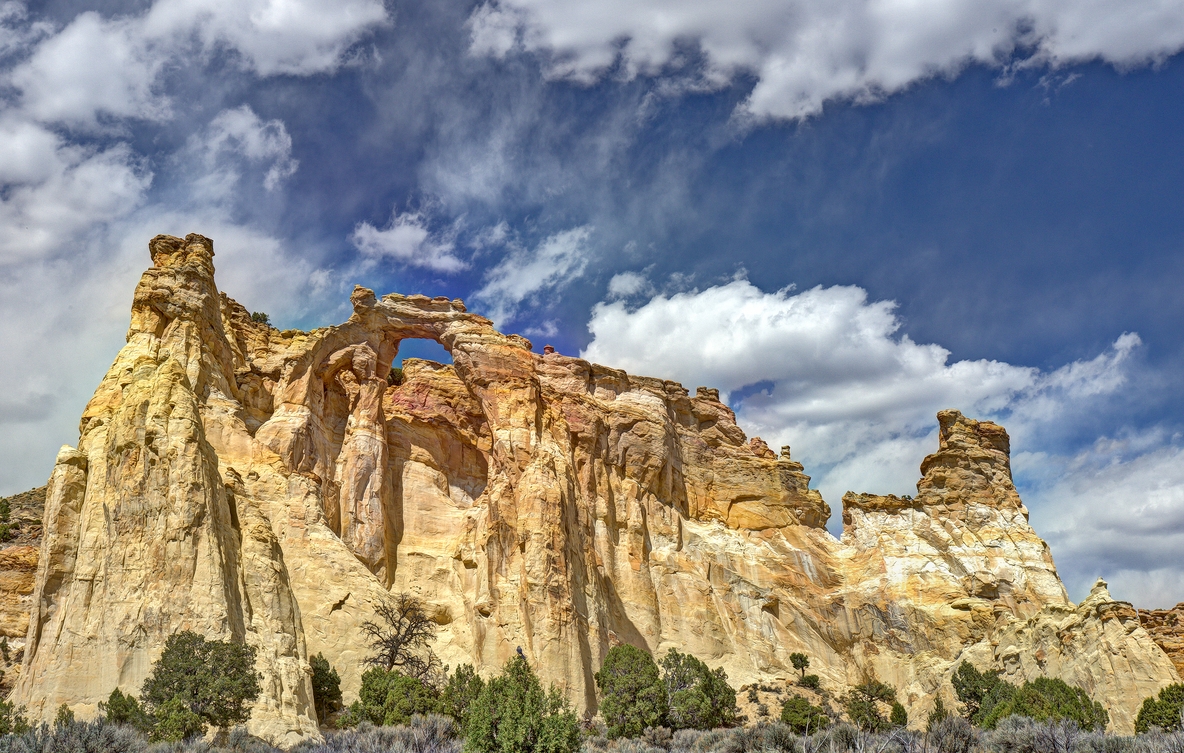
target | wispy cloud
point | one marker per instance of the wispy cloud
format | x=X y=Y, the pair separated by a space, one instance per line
x=526 y=273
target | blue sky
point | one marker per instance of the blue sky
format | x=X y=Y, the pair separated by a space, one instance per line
x=845 y=215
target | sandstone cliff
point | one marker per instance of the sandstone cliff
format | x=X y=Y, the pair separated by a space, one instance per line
x=18 y=570
x=1166 y=627
x=273 y=487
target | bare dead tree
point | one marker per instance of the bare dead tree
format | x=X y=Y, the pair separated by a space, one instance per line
x=400 y=641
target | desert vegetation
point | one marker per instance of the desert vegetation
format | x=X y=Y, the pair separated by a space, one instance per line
x=199 y=693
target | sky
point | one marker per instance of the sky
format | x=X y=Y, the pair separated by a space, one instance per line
x=844 y=214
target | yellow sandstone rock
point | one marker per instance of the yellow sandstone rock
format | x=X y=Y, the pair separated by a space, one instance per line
x=274 y=487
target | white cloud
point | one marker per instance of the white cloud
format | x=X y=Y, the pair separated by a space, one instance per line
x=408 y=240
x=827 y=372
x=97 y=67
x=75 y=217
x=627 y=284
x=93 y=67
x=525 y=273
x=241 y=133
x=53 y=190
x=806 y=52
x=16 y=33
x=1116 y=511
x=295 y=37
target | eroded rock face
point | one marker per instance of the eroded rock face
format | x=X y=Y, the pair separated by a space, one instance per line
x=1166 y=627
x=273 y=487
x=18 y=565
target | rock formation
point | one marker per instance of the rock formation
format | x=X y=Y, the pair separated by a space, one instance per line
x=1166 y=627
x=18 y=571
x=273 y=487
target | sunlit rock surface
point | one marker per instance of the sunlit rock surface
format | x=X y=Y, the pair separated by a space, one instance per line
x=273 y=487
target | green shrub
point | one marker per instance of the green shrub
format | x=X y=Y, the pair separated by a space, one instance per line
x=810 y=681
x=176 y=721
x=215 y=680
x=12 y=719
x=326 y=687
x=8 y=529
x=863 y=709
x=1164 y=712
x=394 y=377
x=64 y=717
x=1048 y=699
x=390 y=698
x=874 y=690
x=260 y=318
x=696 y=697
x=899 y=717
x=460 y=693
x=121 y=708
x=937 y=716
x=513 y=715
x=865 y=714
x=632 y=695
x=802 y=716
x=979 y=692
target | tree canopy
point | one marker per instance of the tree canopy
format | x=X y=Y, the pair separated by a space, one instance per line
x=802 y=716
x=514 y=715
x=1165 y=712
x=215 y=680
x=633 y=697
x=696 y=697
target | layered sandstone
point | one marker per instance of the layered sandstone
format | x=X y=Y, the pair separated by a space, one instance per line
x=1166 y=627
x=18 y=571
x=273 y=487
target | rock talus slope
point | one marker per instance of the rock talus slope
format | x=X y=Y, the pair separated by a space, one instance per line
x=273 y=487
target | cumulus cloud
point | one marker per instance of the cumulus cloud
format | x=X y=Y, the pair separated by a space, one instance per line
x=98 y=68
x=627 y=285
x=92 y=68
x=53 y=190
x=407 y=240
x=526 y=273
x=828 y=372
x=806 y=52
